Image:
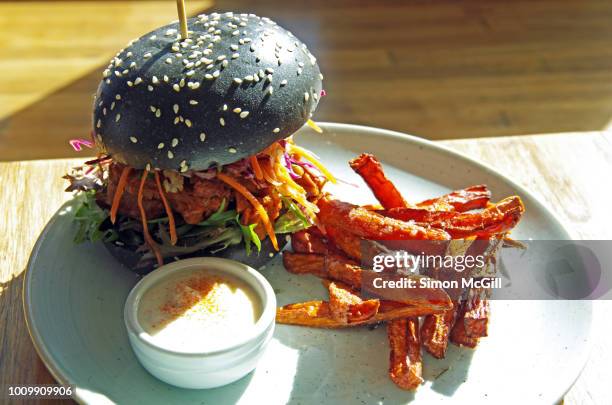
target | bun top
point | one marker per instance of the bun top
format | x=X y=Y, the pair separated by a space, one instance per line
x=235 y=86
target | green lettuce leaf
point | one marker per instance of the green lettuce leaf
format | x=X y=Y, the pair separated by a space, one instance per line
x=89 y=216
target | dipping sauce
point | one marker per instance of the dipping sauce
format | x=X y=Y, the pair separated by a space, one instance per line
x=198 y=310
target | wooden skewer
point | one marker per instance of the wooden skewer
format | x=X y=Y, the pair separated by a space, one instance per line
x=180 y=7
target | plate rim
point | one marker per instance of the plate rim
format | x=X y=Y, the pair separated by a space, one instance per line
x=43 y=351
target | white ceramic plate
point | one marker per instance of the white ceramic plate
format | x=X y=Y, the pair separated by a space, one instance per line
x=74 y=297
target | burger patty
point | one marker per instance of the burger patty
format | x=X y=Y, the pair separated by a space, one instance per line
x=198 y=199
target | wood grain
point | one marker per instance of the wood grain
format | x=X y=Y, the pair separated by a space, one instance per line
x=438 y=69
x=567 y=171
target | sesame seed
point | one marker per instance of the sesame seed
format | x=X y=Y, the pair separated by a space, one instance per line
x=117 y=117
x=237 y=80
x=193 y=102
x=270 y=70
x=235 y=55
x=137 y=81
x=176 y=87
x=147 y=55
x=133 y=139
x=169 y=61
x=276 y=130
x=224 y=64
x=190 y=73
x=99 y=124
x=175 y=142
x=152 y=108
x=283 y=83
x=195 y=85
x=128 y=55
x=150 y=88
x=176 y=120
x=106 y=73
x=221 y=57
x=130 y=83
x=112 y=106
x=232 y=150
x=166 y=78
x=270 y=90
x=161 y=145
x=234 y=47
x=148 y=167
x=182 y=83
x=170 y=155
x=104 y=111
x=188 y=123
x=208 y=76
x=175 y=107
x=224 y=107
x=237 y=110
x=222 y=121
x=244 y=114
x=299 y=71
x=202 y=137
x=301 y=64
x=321 y=76
x=216 y=73
x=306 y=96
x=235 y=33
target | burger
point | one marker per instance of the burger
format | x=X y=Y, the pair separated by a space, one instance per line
x=195 y=149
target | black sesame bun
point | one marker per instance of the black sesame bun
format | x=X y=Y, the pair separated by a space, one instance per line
x=238 y=84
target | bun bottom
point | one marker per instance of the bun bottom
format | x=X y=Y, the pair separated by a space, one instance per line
x=131 y=259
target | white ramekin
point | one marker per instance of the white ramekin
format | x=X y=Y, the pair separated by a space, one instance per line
x=207 y=369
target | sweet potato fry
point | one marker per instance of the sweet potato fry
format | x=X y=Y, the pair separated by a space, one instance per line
x=370 y=225
x=459 y=334
x=347 y=307
x=370 y=169
x=498 y=218
x=338 y=268
x=435 y=332
x=346 y=242
x=317 y=314
x=418 y=214
x=476 y=318
x=405 y=362
x=306 y=241
x=305 y=263
x=331 y=266
x=466 y=199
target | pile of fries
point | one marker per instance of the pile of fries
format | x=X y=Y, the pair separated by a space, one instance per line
x=416 y=318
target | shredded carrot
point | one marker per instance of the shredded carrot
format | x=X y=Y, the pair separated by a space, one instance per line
x=256 y=168
x=263 y=214
x=268 y=173
x=143 y=217
x=171 y=223
x=119 y=192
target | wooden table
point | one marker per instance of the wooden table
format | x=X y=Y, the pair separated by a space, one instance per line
x=570 y=172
